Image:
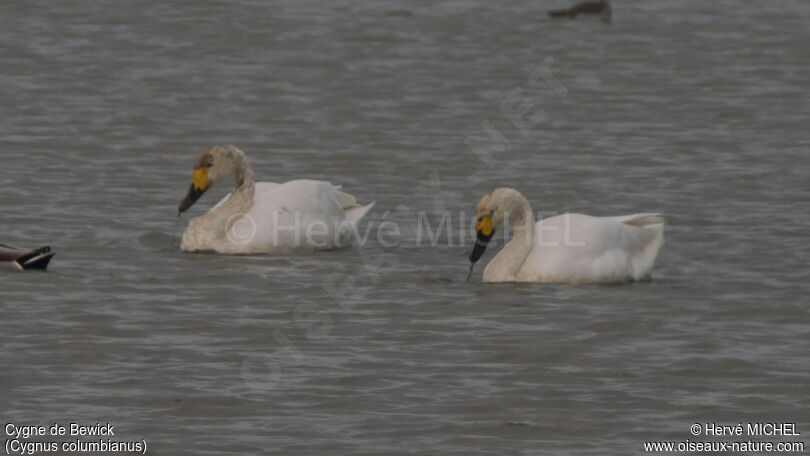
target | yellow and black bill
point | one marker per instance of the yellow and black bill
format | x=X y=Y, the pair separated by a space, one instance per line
x=199 y=184
x=483 y=233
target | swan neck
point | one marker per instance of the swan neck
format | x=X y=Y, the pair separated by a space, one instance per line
x=243 y=171
x=240 y=200
x=506 y=264
x=523 y=221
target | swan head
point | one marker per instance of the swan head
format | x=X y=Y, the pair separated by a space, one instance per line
x=491 y=212
x=211 y=166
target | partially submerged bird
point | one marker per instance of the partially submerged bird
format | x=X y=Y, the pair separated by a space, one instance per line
x=601 y=7
x=265 y=217
x=26 y=258
x=571 y=248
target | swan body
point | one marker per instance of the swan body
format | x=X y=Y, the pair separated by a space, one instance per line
x=266 y=217
x=569 y=248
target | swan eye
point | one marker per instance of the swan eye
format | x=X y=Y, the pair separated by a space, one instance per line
x=484 y=225
x=199 y=180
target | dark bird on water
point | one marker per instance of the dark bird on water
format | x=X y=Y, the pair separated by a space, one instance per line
x=26 y=258
x=601 y=7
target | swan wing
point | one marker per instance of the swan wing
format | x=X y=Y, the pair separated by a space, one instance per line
x=579 y=248
x=302 y=213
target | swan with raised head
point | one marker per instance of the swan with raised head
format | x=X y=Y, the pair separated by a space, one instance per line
x=265 y=217
x=570 y=248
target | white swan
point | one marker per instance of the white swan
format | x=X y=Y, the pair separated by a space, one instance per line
x=265 y=217
x=571 y=248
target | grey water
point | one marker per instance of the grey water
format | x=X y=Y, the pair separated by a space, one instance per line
x=697 y=110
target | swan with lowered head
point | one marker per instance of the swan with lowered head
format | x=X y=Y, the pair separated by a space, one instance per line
x=265 y=217
x=570 y=248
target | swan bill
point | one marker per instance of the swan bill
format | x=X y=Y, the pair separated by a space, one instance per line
x=484 y=232
x=199 y=184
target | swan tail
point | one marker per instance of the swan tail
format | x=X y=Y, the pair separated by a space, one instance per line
x=355 y=213
x=651 y=240
x=641 y=220
x=345 y=200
